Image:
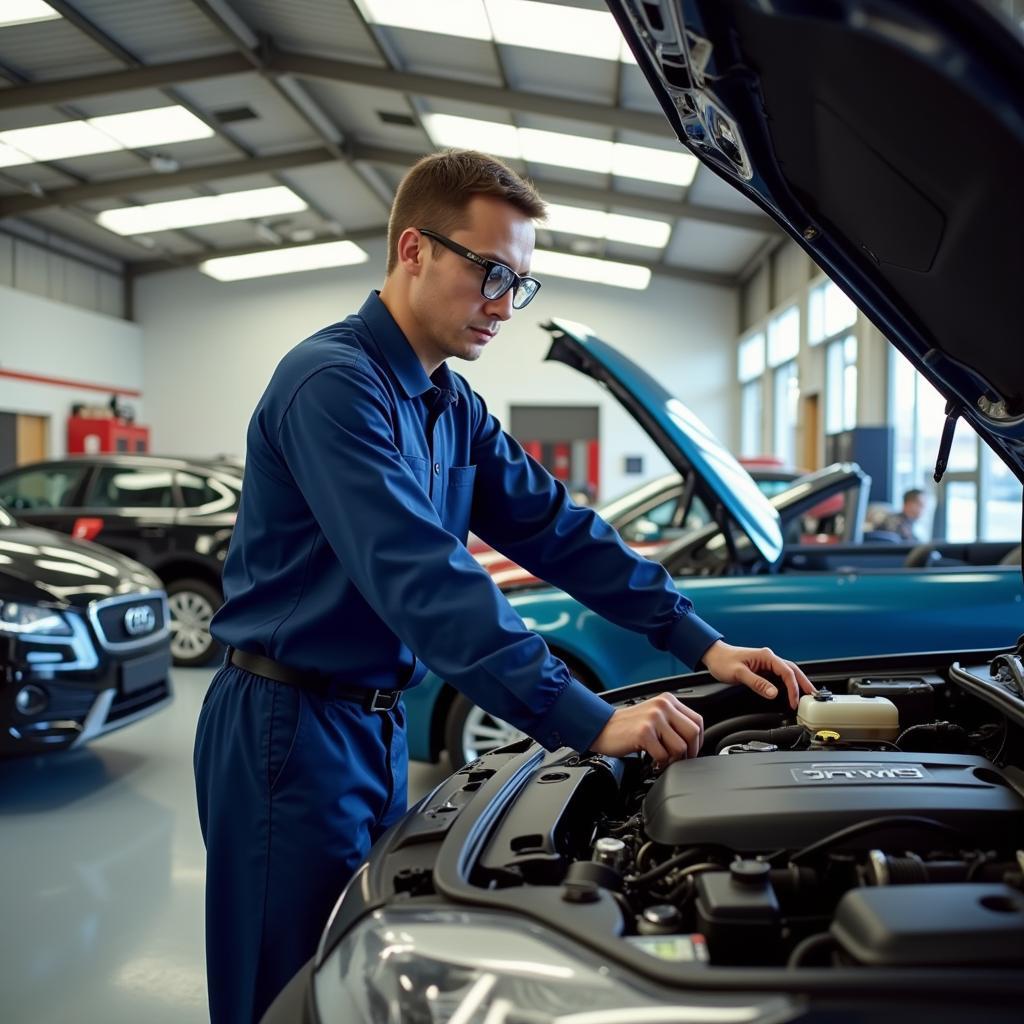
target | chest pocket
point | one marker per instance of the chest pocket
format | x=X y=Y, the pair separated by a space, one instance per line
x=420 y=468
x=459 y=500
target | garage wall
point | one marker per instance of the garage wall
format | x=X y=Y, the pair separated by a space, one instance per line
x=36 y=261
x=211 y=347
x=44 y=338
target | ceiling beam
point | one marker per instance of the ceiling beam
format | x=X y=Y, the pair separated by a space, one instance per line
x=467 y=92
x=287 y=62
x=151 y=181
x=142 y=268
x=64 y=90
x=591 y=194
x=20 y=204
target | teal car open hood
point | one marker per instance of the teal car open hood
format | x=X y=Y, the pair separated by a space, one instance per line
x=719 y=480
x=886 y=137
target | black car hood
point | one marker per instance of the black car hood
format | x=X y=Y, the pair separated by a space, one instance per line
x=887 y=138
x=40 y=565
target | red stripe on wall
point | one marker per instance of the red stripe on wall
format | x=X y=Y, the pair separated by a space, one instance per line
x=62 y=383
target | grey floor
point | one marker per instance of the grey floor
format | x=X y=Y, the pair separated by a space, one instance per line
x=101 y=876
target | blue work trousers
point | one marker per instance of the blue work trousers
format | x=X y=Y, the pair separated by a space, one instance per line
x=293 y=788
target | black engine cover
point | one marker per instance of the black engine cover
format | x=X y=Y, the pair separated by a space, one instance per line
x=786 y=799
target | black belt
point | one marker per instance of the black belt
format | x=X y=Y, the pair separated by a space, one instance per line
x=258 y=665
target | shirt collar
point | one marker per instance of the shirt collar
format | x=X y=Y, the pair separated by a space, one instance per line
x=401 y=358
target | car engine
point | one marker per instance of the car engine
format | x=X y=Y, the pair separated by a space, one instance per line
x=884 y=826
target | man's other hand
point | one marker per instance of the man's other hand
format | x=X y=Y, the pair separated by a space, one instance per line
x=746 y=665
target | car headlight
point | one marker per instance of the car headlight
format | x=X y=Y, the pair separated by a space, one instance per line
x=465 y=967
x=18 y=618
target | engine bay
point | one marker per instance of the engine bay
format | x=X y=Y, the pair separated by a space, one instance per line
x=882 y=825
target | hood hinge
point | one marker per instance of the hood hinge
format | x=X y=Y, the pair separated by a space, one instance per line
x=946 y=442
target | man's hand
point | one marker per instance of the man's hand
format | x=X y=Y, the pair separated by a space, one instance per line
x=730 y=664
x=661 y=726
x=670 y=731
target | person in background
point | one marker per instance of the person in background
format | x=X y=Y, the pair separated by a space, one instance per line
x=902 y=522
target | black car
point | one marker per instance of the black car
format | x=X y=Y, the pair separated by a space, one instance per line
x=861 y=859
x=84 y=640
x=173 y=515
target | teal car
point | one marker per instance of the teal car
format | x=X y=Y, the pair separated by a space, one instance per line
x=749 y=572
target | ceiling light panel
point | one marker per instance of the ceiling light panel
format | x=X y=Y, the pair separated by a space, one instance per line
x=159 y=127
x=67 y=139
x=24 y=12
x=584 y=268
x=560 y=150
x=184 y=213
x=557 y=28
x=615 y=227
x=541 y=26
x=465 y=18
x=284 y=261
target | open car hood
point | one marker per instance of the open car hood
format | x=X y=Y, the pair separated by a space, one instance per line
x=684 y=440
x=886 y=139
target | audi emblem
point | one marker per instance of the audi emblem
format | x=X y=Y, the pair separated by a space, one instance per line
x=139 y=619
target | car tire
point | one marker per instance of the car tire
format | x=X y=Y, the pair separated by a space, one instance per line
x=192 y=605
x=470 y=731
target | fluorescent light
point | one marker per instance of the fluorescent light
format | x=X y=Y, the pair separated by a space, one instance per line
x=469 y=133
x=158 y=127
x=526 y=23
x=643 y=162
x=183 y=213
x=24 y=12
x=465 y=18
x=566 y=150
x=584 y=268
x=653 y=164
x=556 y=28
x=56 y=141
x=616 y=227
x=284 y=261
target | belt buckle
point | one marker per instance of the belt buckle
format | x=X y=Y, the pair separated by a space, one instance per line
x=382 y=700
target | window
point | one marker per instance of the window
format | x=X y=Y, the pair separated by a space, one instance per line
x=829 y=312
x=54 y=487
x=978 y=498
x=961 y=508
x=784 y=336
x=751 y=413
x=841 y=385
x=751 y=356
x=665 y=521
x=206 y=494
x=751 y=376
x=1001 y=511
x=786 y=404
x=120 y=487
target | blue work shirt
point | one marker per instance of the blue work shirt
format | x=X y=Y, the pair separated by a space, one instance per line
x=363 y=477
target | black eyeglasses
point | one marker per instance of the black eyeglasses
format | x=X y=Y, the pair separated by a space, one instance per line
x=497 y=277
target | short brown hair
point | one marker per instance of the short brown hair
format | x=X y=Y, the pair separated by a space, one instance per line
x=437 y=189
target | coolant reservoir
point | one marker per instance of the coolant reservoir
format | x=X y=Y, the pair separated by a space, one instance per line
x=852 y=716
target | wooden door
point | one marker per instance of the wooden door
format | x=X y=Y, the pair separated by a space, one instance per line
x=810 y=422
x=32 y=438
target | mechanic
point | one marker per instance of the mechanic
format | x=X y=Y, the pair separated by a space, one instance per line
x=368 y=460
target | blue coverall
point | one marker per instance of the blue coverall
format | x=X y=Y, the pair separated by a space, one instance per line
x=363 y=476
